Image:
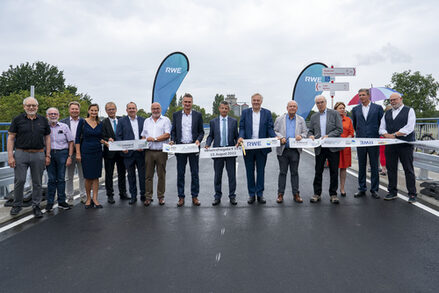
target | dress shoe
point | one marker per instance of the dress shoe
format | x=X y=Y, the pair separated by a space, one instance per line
x=280 y=198
x=96 y=205
x=233 y=201
x=251 y=199
x=111 y=199
x=261 y=200
x=49 y=207
x=37 y=212
x=195 y=201
x=147 y=202
x=161 y=201
x=390 y=196
x=297 y=198
x=334 y=199
x=123 y=196
x=216 y=202
x=343 y=194
x=360 y=194
x=133 y=200
x=374 y=195
x=315 y=198
x=15 y=211
x=180 y=202
x=143 y=198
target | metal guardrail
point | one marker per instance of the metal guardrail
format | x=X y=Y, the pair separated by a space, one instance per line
x=4 y=135
x=425 y=163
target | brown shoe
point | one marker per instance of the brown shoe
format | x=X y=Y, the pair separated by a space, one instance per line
x=297 y=198
x=161 y=201
x=180 y=202
x=195 y=201
x=147 y=202
x=280 y=198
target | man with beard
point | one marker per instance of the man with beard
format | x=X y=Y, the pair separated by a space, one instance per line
x=29 y=134
x=156 y=130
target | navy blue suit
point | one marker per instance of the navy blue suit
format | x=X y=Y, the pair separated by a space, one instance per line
x=368 y=128
x=176 y=136
x=256 y=157
x=230 y=162
x=132 y=159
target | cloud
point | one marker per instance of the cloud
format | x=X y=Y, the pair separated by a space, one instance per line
x=386 y=53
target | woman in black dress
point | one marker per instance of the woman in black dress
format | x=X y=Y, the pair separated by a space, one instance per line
x=89 y=152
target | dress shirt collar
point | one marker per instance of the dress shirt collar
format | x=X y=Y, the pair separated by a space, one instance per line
x=190 y=113
x=135 y=118
x=74 y=120
x=324 y=112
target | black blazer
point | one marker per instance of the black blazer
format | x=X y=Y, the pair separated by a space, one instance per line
x=124 y=131
x=107 y=133
x=215 y=132
x=371 y=126
x=197 y=127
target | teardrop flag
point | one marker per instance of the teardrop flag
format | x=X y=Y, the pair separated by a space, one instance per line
x=168 y=78
x=305 y=88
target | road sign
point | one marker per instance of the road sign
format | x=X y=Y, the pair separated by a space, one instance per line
x=339 y=71
x=329 y=86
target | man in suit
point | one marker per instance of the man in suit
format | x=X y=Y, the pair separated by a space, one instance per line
x=325 y=123
x=72 y=122
x=223 y=133
x=256 y=122
x=399 y=123
x=129 y=128
x=109 y=127
x=366 y=119
x=187 y=127
x=289 y=125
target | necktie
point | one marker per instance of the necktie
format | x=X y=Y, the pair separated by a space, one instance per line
x=114 y=125
x=224 y=134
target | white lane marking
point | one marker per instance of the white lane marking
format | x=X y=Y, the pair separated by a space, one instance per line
x=223 y=230
x=218 y=257
x=237 y=164
x=225 y=213
x=400 y=196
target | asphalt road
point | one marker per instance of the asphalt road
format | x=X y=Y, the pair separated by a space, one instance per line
x=361 y=245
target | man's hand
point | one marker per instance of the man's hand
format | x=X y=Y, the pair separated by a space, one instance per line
x=150 y=138
x=240 y=140
x=11 y=162
x=197 y=142
x=206 y=146
x=283 y=140
x=110 y=139
x=312 y=137
x=125 y=151
x=47 y=161
x=69 y=161
x=388 y=135
x=325 y=137
x=78 y=157
x=171 y=142
x=298 y=137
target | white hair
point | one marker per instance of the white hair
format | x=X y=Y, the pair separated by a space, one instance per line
x=293 y=101
x=320 y=96
x=28 y=98
x=51 y=108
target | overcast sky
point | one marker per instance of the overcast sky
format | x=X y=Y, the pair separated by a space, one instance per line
x=111 y=49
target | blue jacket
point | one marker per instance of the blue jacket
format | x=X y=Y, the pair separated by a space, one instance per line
x=124 y=131
x=215 y=132
x=370 y=127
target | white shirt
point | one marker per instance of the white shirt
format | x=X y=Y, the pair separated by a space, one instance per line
x=135 y=126
x=154 y=129
x=408 y=128
x=365 y=110
x=323 y=123
x=186 y=127
x=256 y=121
x=74 y=126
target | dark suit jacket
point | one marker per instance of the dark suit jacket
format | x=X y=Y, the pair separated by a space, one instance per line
x=334 y=127
x=215 y=132
x=265 y=125
x=197 y=127
x=124 y=131
x=369 y=127
x=107 y=133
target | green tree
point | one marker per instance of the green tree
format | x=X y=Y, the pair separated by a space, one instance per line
x=143 y=113
x=45 y=77
x=215 y=104
x=419 y=92
x=274 y=116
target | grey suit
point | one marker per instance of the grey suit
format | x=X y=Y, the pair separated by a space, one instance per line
x=289 y=158
x=334 y=128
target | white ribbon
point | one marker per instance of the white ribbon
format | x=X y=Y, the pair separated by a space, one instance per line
x=260 y=143
x=222 y=152
x=128 y=145
x=342 y=142
x=181 y=148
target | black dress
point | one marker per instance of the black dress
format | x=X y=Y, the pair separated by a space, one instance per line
x=91 y=149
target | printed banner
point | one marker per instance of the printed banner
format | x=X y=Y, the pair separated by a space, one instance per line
x=168 y=78
x=181 y=148
x=305 y=87
x=260 y=143
x=220 y=152
x=304 y=143
x=340 y=142
x=128 y=145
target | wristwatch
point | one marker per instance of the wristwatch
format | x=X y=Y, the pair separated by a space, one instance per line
x=155 y=138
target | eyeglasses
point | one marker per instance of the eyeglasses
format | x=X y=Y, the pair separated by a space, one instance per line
x=31 y=105
x=321 y=102
x=54 y=114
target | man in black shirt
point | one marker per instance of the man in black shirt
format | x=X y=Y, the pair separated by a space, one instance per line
x=29 y=133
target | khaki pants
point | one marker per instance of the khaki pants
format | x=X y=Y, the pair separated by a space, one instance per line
x=155 y=159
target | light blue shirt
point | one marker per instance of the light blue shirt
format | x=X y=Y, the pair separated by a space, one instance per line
x=290 y=129
x=323 y=123
x=221 y=128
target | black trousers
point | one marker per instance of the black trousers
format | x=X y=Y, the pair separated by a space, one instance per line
x=218 y=165
x=333 y=158
x=109 y=169
x=403 y=152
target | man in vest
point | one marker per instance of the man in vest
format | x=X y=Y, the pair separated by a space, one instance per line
x=399 y=123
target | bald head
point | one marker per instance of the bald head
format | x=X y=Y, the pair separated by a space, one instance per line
x=395 y=100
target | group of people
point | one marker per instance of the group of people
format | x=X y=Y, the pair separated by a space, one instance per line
x=62 y=145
